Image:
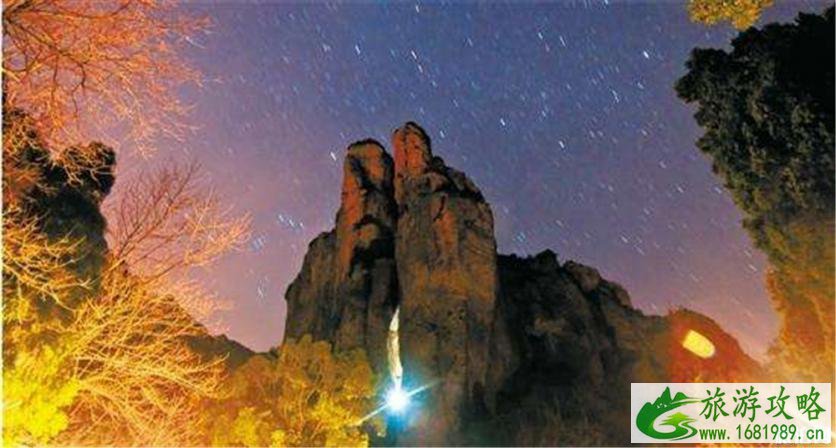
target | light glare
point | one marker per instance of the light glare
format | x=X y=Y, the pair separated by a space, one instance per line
x=397 y=399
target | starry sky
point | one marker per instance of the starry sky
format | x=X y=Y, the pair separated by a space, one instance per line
x=563 y=113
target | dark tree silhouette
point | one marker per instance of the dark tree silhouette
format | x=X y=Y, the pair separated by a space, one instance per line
x=767 y=111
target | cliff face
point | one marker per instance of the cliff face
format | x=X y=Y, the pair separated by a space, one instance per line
x=446 y=260
x=517 y=350
x=577 y=346
x=347 y=290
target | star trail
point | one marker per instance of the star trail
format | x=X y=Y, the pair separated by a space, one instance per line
x=563 y=114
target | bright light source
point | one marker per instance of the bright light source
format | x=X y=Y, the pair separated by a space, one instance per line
x=698 y=344
x=397 y=399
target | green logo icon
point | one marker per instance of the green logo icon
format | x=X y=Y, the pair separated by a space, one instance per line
x=680 y=422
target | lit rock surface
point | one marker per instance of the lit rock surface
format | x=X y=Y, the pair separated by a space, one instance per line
x=520 y=350
x=346 y=292
x=446 y=259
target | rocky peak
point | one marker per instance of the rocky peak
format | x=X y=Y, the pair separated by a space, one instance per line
x=515 y=349
x=446 y=261
x=412 y=155
x=366 y=217
x=367 y=166
x=346 y=292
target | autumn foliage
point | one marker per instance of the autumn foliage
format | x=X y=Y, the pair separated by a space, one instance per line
x=300 y=394
x=106 y=347
x=97 y=337
x=100 y=312
x=741 y=13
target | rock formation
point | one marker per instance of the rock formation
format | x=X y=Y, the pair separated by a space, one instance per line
x=517 y=350
x=347 y=290
x=445 y=254
x=578 y=345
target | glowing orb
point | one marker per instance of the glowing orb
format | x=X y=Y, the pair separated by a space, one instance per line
x=698 y=344
x=397 y=399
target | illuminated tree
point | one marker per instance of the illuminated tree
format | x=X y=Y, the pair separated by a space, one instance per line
x=767 y=111
x=33 y=262
x=89 y=69
x=96 y=350
x=37 y=389
x=170 y=220
x=118 y=367
x=53 y=247
x=40 y=283
x=139 y=381
x=741 y=13
x=302 y=394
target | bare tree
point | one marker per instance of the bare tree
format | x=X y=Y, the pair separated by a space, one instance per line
x=170 y=220
x=91 y=70
x=121 y=368
x=139 y=381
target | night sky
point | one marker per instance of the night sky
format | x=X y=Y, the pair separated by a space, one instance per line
x=563 y=114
